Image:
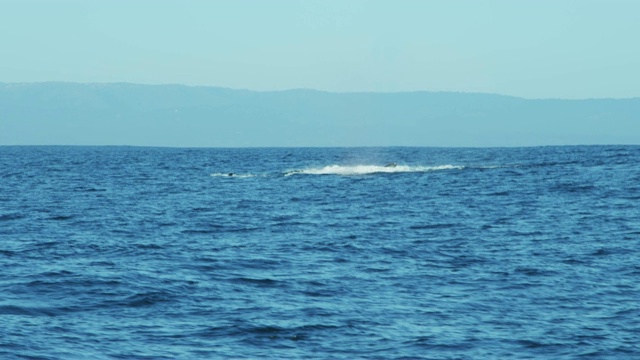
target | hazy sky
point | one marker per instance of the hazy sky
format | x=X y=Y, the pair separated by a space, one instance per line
x=528 y=48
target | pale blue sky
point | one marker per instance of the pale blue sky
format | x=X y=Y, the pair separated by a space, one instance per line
x=528 y=48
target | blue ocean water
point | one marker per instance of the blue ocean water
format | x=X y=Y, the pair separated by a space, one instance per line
x=159 y=253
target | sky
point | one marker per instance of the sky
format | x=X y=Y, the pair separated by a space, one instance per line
x=570 y=49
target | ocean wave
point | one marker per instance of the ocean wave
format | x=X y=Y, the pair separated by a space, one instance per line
x=369 y=169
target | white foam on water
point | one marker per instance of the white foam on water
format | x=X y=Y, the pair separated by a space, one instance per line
x=369 y=169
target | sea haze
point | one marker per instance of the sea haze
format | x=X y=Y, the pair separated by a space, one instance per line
x=183 y=116
x=467 y=253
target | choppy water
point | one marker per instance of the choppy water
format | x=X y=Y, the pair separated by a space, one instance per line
x=136 y=253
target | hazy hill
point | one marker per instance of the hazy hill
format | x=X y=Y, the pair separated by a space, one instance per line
x=175 y=115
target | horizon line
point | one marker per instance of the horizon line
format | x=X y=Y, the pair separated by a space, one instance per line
x=320 y=147
x=315 y=90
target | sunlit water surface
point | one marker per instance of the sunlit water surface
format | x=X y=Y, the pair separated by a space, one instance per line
x=152 y=253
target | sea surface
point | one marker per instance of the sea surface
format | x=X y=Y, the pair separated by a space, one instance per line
x=454 y=253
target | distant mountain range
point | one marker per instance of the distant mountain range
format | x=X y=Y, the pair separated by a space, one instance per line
x=186 y=116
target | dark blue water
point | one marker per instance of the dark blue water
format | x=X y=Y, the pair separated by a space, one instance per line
x=151 y=253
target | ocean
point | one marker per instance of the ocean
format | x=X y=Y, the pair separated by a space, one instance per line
x=327 y=253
